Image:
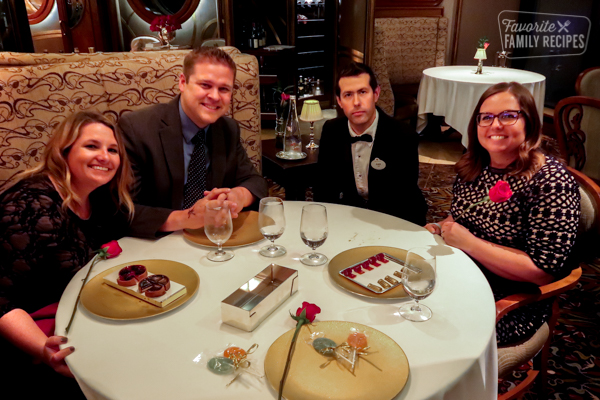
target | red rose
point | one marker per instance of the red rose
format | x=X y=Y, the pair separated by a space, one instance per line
x=112 y=249
x=500 y=192
x=285 y=97
x=311 y=311
x=485 y=45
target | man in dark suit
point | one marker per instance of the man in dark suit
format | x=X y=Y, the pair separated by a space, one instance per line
x=186 y=152
x=367 y=159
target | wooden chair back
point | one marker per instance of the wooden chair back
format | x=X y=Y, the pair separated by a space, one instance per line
x=577 y=126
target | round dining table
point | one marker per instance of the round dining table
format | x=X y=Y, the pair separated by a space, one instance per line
x=451 y=356
x=453 y=92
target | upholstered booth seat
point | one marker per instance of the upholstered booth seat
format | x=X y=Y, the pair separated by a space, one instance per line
x=36 y=96
x=403 y=48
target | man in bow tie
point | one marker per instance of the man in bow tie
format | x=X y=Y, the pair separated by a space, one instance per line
x=186 y=152
x=368 y=159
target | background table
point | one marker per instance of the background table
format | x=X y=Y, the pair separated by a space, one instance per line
x=451 y=356
x=293 y=175
x=453 y=92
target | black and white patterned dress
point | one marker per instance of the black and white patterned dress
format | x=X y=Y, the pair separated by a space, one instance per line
x=540 y=218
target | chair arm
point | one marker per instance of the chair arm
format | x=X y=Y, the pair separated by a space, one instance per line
x=514 y=301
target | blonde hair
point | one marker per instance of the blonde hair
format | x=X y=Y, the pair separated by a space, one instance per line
x=54 y=161
x=530 y=158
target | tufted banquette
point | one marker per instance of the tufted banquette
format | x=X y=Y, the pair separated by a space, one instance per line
x=37 y=91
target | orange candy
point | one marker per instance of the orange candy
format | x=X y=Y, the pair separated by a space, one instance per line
x=234 y=352
x=357 y=340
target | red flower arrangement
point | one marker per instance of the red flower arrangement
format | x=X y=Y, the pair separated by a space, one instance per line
x=483 y=43
x=166 y=22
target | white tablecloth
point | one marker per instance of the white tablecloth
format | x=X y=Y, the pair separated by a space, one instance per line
x=453 y=92
x=451 y=356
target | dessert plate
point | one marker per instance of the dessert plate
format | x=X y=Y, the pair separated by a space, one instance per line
x=306 y=380
x=353 y=256
x=107 y=302
x=245 y=232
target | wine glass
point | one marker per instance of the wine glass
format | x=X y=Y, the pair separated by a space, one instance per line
x=313 y=230
x=418 y=278
x=218 y=228
x=271 y=222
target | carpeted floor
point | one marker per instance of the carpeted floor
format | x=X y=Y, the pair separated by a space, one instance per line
x=574 y=365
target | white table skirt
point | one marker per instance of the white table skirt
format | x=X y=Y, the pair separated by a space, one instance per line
x=451 y=356
x=453 y=92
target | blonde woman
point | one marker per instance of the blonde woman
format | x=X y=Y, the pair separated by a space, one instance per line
x=51 y=221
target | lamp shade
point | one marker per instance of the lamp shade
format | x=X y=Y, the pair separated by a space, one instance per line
x=311 y=111
x=480 y=55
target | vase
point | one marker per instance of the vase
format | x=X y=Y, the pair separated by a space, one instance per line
x=279 y=131
x=166 y=36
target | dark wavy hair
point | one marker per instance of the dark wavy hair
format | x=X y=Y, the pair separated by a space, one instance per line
x=530 y=158
x=356 y=69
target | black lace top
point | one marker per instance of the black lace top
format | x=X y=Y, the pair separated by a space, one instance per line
x=41 y=245
x=541 y=219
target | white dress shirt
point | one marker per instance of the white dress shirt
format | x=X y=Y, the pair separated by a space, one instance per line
x=361 y=155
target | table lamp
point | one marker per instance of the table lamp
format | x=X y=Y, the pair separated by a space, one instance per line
x=311 y=112
x=480 y=55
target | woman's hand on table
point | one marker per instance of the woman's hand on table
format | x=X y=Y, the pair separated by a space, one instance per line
x=53 y=356
x=436 y=227
x=504 y=261
x=18 y=328
x=456 y=235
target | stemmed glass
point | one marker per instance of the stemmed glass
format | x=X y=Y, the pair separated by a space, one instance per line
x=313 y=230
x=418 y=278
x=218 y=228
x=271 y=222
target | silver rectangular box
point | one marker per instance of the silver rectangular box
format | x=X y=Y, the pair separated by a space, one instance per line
x=256 y=299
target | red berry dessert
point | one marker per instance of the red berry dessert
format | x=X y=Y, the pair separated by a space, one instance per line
x=131 y=275
x=155 y=285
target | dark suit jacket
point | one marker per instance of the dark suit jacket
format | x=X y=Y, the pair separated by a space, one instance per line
x=154 y=142
x=392 y=190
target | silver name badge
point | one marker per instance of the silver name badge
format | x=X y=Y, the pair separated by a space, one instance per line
x=378 y=164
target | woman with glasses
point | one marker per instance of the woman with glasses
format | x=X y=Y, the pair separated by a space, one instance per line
x=524 y=241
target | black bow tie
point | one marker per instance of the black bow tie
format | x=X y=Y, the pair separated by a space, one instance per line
x=361 y=138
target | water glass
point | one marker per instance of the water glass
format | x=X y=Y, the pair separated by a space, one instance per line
x=418 y=279
x=313 y=231
x=271 y=222
x=218 y=228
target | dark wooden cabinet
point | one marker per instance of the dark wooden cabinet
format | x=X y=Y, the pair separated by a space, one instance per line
x=305 y=29
x=277 y=68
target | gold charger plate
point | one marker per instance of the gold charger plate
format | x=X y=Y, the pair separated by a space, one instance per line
x=352 y=256
x=107 y=302
x=306 y=380
x=245 y=232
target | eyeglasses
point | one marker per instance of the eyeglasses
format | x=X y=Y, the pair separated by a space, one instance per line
x=508 y=117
